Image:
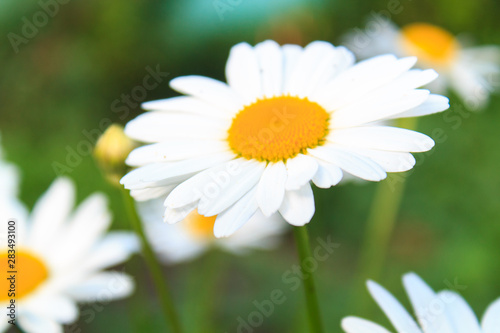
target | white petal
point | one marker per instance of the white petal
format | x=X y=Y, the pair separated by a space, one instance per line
x=359 y=325
x=271 y=188
x=50 y=212
x=170 y=173
x=203 y=183
x=172 y=243
x=230 y=188
x=412 y=79
x=404 y=83
x=175 y=150
x=187 y=104
x=491 y=318
x=54 y=307
x=489 y=54
x=365 y=44
x=357 y=81
x=382 y=138
x=390 y=161
x=352 y=163
x=9 y=175
x=243 y=72
x=174 y=215
x=471 y=86
x=368 y=110
x=4 y=326
x=13 y=209
x=270 y=60
x=115 y=248
x=429 y=308
x=300 y=169
x=259 y=233
x=88 y=223
x=400 y=86
x=462 y=317
x=396 y=313
x=33 y=323
x=236 y=216
x=327 y=175
x=160 y=126
x=291 y=55
x=151 y=193
x=103 y=287
x=178 y=246
x=433 y=104
x=316 y=64
x=333 y=63
x=209 y=90
x=298 y=206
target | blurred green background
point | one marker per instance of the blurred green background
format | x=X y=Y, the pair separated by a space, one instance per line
x=64 y=82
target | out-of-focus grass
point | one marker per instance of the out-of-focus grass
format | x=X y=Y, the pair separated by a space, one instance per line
x=66 y=78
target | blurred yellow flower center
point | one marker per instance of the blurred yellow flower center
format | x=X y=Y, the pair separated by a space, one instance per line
x=278 y=128
x=431 y=44
x=199 y=225
x=31 y=272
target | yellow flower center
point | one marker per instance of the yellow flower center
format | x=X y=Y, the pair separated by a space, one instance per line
x=431 y=44
x=278 y=128
x=31 y=272
x=199 y=225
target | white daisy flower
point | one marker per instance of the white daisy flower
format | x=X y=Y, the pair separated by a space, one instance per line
x=194 y=236
x=442 y=312
x=287 y=115
x=59 y=258
x=9 y=189
x=470 y=71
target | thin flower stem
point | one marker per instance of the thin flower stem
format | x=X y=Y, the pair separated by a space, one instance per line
x=202 y=290
x=381 y=221
x=154 y=266
x=304 y=251
x=380 y=225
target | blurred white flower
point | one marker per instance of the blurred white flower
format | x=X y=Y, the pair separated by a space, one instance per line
x=9 y=188
x=194 y=236
x=60 y=255
x=472 y=72
x=288 y=115
x=442 y=312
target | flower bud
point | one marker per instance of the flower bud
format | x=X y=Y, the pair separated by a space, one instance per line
x=111 y=151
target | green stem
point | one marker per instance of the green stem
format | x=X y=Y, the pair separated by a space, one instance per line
x=380 y=226
x=202 y=289
x=381 y=221
x=304 y=251
x=154 y=266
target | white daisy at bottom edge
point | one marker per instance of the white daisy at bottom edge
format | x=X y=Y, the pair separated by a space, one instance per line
x=194 y=235
x=60 y=255
x=442 y=312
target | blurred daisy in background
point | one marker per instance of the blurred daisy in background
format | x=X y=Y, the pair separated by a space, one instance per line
x=194 y=236
x=442 y=312
x=287 y=115
x=472 y=72
x=60 y=255
x=9 y=188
